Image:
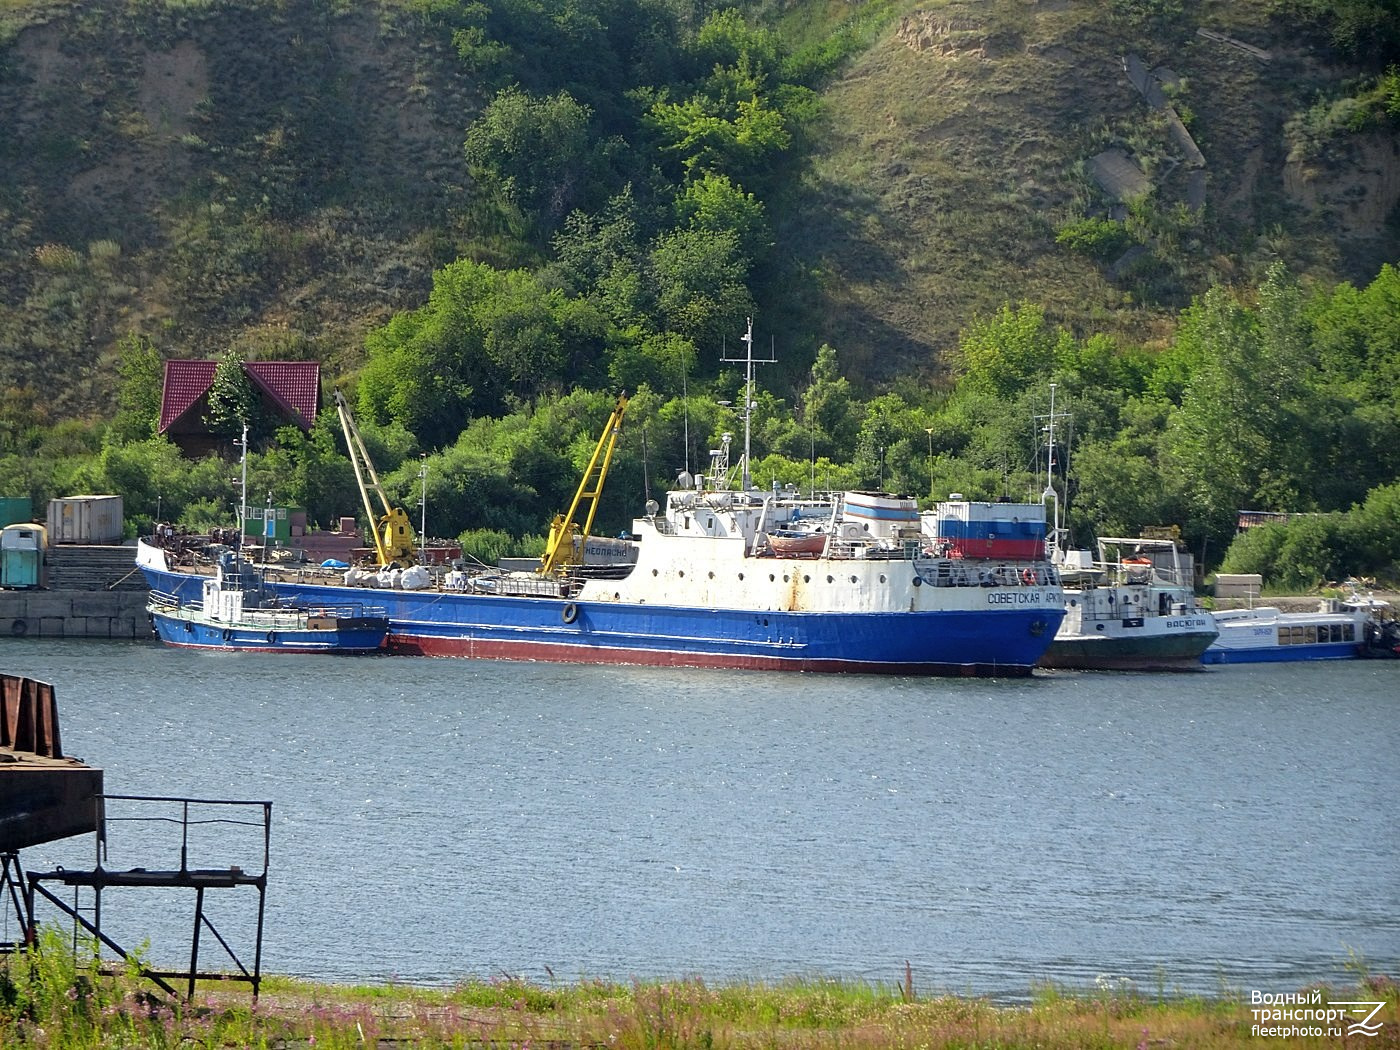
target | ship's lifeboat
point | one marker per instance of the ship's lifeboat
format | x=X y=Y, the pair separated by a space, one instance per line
x=797 y=544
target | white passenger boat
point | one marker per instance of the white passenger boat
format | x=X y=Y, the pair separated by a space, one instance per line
x=1339 y=629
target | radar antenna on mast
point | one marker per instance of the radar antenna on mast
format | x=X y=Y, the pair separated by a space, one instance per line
x=749 y=403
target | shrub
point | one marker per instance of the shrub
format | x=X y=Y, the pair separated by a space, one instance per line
x=1101 y=239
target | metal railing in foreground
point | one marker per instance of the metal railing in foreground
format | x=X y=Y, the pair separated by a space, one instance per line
x=196 y=821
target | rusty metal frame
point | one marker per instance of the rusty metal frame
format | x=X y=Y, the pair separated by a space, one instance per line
x=12 y=887
x=29 y=716
x=185 y=877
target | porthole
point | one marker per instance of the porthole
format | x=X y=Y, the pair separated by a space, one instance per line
x=741 y=575
x=771 y=577
x=806 y=579
x=831 y=579
x=654 y=572
x=882 y=577
x=854 y=579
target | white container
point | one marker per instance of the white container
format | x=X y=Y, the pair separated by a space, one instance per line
x=86 y=519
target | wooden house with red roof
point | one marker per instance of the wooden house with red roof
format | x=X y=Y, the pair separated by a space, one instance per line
x=290 y=393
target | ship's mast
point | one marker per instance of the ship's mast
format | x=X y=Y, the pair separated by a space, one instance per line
x=749 y=403
x=243 y=492
x=1054 y=546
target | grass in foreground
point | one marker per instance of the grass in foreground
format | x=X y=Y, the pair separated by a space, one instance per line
x=50 y=999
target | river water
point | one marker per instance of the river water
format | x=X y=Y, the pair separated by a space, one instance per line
x=1231 y=830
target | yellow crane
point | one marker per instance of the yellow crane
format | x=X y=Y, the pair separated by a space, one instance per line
x=559 y=551
x=393 y=532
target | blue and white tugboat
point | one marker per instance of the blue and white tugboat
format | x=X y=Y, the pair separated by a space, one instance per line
x=234 y=609
x=234 y=614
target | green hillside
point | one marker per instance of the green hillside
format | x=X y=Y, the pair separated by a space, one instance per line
x=283 y=178
x=486 y=217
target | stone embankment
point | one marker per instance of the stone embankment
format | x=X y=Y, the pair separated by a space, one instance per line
x=88 y=592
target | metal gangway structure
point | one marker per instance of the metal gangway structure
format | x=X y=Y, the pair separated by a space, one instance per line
x=46 y=796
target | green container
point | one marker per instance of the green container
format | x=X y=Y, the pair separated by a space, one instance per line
x=16 y=510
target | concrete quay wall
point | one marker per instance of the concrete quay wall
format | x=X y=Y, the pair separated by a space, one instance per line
x=74 y=614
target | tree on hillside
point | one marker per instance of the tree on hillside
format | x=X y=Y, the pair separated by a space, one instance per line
x=1010 y=351
x=732 y=114
x=1367 y=31
x=589 y=246
x=714 y=204
x=1244 y=435
x=698 y=279
x=140 y=375
x=485 y=336
x=535 y=154
x=830 y=412
x=1355 y=339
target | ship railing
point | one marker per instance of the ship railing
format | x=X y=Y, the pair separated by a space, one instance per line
x=347 y=610
x=960 y=572
x=165 y=600
x=521 y=585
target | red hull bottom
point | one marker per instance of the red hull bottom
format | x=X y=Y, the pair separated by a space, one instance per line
x=418 y=645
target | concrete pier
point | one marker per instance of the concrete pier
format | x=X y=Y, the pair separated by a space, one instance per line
x=88 y=592
x=74 y=614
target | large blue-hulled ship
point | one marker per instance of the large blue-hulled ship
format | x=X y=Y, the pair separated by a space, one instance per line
x=698 y=583
x=723 y=574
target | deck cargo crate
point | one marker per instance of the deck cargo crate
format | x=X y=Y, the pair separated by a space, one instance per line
x=991 y=530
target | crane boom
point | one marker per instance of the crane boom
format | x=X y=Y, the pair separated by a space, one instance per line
x=559 y=550
x=393 y=532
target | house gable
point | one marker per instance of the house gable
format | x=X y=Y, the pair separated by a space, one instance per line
x=290 y=389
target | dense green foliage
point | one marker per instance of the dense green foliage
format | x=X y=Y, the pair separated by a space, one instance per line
x=630 y=164
x=1284 y=400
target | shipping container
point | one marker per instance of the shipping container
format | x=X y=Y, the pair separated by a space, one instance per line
x=86 y=519
x=990 y=530
x=16 y=510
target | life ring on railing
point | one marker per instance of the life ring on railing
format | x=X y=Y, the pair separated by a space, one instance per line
x=1028 y=577
x=570 y=612
x=19 y=628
